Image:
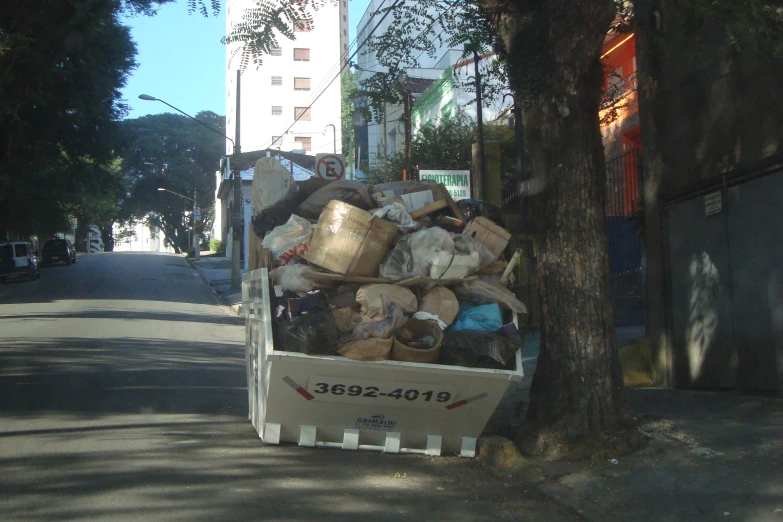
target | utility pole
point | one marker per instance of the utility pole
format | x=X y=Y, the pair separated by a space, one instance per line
x=480 y=122
x=408 y=129
x=236 y=247
x=385 y=148
x=196 y=220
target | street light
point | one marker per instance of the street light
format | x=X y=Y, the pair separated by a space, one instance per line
x=334 y=136
x=197 y=241
x=147 y=97
x=178 y=194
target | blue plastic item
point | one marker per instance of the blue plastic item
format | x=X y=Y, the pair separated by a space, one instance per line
x=488 y=318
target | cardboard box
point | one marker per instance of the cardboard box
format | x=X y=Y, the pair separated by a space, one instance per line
x=492 y=236
x=350 y=241
x=386 y=192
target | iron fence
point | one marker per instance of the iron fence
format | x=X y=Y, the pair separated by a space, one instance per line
x=625 y=246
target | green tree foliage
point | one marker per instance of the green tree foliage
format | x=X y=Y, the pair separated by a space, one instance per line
x=63 y=64
x=444 y=144
x=172 y=152
x=348 y=92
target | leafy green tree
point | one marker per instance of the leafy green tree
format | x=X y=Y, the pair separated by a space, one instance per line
x=63 y=64
x=175 y=153
x=349 y=90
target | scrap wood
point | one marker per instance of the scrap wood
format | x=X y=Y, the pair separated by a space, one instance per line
x=453 y=206
x=429 y=208
x=319 y=276
x=424 y=280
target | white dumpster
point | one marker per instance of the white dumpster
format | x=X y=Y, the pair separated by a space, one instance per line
x=331 y=401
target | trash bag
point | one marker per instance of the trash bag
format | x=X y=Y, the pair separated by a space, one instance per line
x=354 y=193
x=478 y=349
x=380 y=301
x=441 y=302
x=346 y=319
x=288 y=241
x=481 y=291
x=308 y=187
x=398 y=214
x=274 y=216
x=472 y=208
x=292 y=277
x=488 y=318
x=398 y=264
x=435 y=253
x=366 y=350
x=377 y=329
x=314 y=333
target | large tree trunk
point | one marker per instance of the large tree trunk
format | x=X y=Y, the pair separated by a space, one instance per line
x=577 y=391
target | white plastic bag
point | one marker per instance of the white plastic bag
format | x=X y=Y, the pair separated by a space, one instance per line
x=289 y=240
x=292 y=277
x=398 y=214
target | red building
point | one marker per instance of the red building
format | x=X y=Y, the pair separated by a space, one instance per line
x=619 y=113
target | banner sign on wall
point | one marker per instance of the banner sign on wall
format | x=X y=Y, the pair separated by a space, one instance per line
x=456 y=181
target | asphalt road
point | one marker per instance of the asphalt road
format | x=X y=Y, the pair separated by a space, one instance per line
x=122 y=397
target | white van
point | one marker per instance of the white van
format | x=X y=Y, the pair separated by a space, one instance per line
x=18 y=260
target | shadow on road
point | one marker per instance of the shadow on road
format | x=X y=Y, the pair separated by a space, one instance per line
x=128 y=315
x=121 y=375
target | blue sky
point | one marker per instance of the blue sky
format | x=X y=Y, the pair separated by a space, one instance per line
x=182 y=61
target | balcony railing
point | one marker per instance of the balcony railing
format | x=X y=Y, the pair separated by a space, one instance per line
x=618 y=91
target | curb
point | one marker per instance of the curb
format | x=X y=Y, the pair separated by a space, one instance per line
x=236 y=309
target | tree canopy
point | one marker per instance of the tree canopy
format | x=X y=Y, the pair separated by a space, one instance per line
x=175 y=153
x=63 y=65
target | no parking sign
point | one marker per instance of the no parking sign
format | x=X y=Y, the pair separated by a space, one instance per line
x=330 y=166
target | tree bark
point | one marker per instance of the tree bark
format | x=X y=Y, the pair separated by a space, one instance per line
x=577 y=390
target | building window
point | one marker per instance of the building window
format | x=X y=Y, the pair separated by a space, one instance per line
x=301 y=84
x=345 y=18
x=302 y=113
x=302 y=26
x=301 y=55
x=277 y=81
x=276 y=51
x=277 y=141
x=303 y=143
x=345 y=32
x=277 y=110
x=345 y=46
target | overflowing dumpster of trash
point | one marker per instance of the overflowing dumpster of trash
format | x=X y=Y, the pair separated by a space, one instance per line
x=385 y=272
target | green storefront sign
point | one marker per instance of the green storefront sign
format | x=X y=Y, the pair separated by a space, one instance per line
x=456 y=181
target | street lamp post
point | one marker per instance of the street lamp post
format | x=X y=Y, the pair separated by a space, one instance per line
x=236 y=181
x=334 y=137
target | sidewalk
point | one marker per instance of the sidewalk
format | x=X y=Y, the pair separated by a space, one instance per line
x=711 y=456
x=217 y=272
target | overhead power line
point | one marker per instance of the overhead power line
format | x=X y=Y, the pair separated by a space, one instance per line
x=345 y=64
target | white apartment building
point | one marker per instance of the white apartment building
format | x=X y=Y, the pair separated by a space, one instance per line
x=285 y=103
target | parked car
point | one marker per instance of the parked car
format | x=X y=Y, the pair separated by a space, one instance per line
x=56 y=250
x=18 y=260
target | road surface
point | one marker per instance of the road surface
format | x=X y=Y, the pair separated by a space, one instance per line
x=122 y=397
